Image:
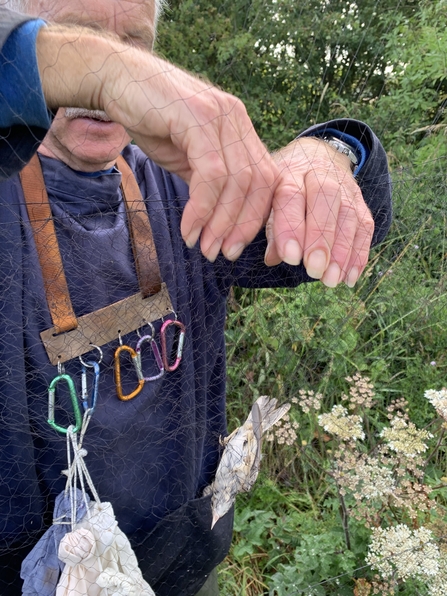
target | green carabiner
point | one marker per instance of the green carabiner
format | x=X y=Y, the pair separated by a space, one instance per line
x=74 y=401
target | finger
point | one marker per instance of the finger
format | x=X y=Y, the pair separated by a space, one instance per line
x=203 y=130
x=252 y=216
x=360 y=249
x=271 y=257
x=288 y=224
x=235 y=137
x=347 y=225
x=217 y=194
x=323 y=205
x=225 y=215
x=256 y=205
x=208 y=178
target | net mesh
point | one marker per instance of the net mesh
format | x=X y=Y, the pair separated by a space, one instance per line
x=350 y=499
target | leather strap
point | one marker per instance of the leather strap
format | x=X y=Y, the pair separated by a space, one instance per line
x=145 y=255
x=39 y=213
x=55 y=283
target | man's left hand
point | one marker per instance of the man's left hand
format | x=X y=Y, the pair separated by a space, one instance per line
x=326 y=224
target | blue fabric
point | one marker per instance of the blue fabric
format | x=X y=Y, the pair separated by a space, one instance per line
x=24 y=119
x=21 y=97
x=97 y=174
x=150 y=457
x=41 y=569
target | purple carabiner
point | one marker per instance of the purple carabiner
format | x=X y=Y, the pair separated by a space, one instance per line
x=181 y=341
x=156 y=352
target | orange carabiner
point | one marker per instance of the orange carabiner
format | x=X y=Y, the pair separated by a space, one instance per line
x=119 y=389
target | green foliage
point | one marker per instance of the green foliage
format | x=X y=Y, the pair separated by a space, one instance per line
x=411 y=108
x=289 y=546
x=393 y=328
x=318 y=556
x=293 y=64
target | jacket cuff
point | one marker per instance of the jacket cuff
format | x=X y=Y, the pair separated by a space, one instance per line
x=22 y=101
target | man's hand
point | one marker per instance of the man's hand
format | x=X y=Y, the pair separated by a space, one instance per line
x=325 y=223
x=183 y=123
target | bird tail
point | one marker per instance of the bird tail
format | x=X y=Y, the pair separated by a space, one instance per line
x=270 y=414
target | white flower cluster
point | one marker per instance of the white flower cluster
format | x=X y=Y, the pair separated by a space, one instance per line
x=438 y=400
x=339 y=423
x=404 y=437
x=404 y=553
x=437 y=584
x=373 y=480
x=361 y=392
x=284 y=431
x=308 y=400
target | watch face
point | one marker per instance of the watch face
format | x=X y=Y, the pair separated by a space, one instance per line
x=342 y=147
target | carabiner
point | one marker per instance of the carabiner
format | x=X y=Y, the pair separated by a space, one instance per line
x=84 y=397
x=181 y=340
x=156 y=352
x=119 y=389
x=74 y=402
x=84 y=391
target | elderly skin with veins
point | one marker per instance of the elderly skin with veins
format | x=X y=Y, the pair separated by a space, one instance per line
x=317 y=213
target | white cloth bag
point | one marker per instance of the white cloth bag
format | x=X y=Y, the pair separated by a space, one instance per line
x=99 y=560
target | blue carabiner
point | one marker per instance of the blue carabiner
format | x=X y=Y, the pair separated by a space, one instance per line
x=84 y=391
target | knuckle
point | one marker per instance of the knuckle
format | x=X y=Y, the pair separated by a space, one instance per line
x=215 y=168
x=244 y=178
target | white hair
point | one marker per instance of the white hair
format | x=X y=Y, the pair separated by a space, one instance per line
x=18 y=5
x=24 y=6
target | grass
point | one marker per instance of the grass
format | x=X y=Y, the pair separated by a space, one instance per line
x=392 y=328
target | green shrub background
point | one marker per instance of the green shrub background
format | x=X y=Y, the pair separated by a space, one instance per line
x=296 y=63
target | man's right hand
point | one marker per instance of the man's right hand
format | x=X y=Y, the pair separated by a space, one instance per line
x=183 y=123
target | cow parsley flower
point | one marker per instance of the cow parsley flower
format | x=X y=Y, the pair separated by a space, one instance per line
x=438 y=400
x=338 y=422
x=404 y=553
x=437 y=584
x=373 y=480
x=404 y=437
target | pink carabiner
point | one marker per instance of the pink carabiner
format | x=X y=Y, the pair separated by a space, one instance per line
x=155 y=351
x=181 y=340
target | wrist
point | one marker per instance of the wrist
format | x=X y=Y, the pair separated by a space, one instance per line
x=315 y=151
x=345 y=144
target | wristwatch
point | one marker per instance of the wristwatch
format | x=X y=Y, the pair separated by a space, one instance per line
x=342 y=147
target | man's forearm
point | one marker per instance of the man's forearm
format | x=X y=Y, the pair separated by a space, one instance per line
x=73 y=64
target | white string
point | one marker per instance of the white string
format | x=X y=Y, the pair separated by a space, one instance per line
x=77 y=469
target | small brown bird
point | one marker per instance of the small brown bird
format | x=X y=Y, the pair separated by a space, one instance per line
x=239 y=465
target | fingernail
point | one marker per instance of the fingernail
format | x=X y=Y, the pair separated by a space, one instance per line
x=235 y=251
x=213 y=251
x=292 y=252
x=352 y=277
x=267 y=251
x=193 y=236
x=331 y=276
x=316 y=264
